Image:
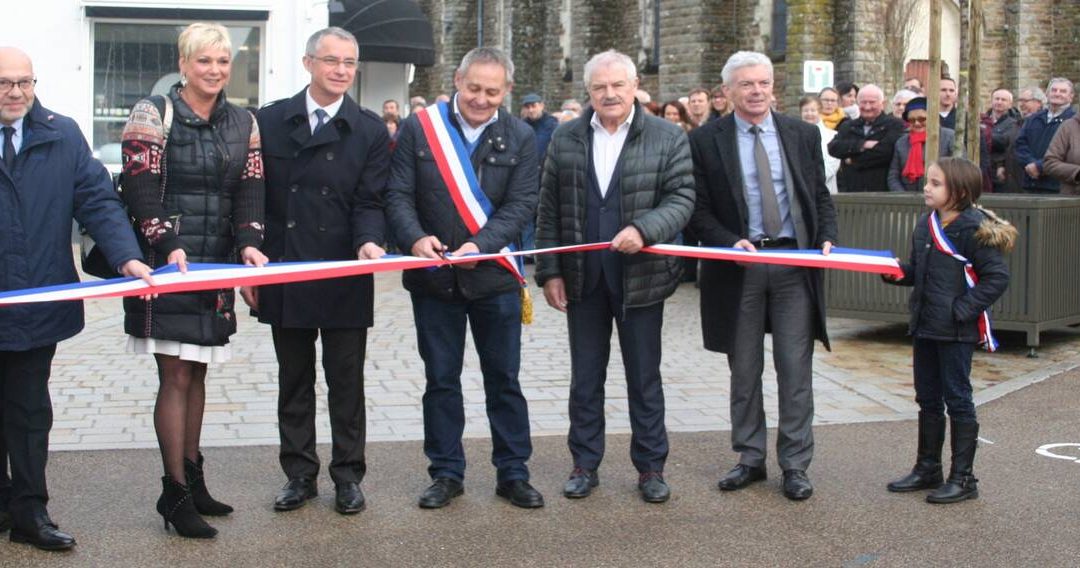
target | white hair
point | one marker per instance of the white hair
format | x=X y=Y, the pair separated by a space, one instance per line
x=1057 y=80
x=607 y=58
x=1036 y=93
x=904 y=95
x=870 y=90
x=741 y=59
x=340 y=33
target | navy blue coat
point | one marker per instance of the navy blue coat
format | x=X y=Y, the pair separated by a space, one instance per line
x=1032 y=143
x=55 y=179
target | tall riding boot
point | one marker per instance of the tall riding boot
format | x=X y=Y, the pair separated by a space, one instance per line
x=204 y=503
x=927 y=471
x=962 y=483
x=176 y=507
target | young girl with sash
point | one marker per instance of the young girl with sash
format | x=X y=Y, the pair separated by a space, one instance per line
x=957 y=270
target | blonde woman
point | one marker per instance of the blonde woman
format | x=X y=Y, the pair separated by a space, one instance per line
x=195 y=189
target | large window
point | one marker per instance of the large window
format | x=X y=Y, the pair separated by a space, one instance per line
x=133 y=60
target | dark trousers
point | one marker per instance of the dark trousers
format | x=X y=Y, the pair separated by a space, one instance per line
x=26 y=409
x=780 y=296
x=943 y=378
x=496 y=330
x=343 y=365
x=590 y=322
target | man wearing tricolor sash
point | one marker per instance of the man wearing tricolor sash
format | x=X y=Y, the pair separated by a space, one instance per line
x=463 y=180
x=614 y=174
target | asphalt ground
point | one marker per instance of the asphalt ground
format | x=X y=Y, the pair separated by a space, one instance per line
x=1028 y=513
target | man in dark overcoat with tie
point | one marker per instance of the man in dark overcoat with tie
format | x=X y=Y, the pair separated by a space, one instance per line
x=761 y=186
x=327 y=161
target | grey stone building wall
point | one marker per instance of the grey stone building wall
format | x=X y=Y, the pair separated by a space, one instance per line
x=1025 y=41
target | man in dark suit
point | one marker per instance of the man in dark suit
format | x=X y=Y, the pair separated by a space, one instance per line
x=760 y=186
x=327 y=162
x=501 y=151
x=615 y=174
x=865 y=145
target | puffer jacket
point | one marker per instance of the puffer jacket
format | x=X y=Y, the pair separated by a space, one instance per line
x=657 y=198
x=204 y=166
x=942 y=306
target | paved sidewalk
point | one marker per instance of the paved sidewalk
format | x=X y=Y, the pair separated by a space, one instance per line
x=104 y=397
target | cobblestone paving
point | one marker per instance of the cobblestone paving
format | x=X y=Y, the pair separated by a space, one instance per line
x=104 y=397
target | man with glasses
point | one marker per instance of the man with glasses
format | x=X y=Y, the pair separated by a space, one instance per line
x=47 y=176
x=326 y=160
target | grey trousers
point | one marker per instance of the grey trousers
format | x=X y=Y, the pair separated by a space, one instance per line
x=779 y=295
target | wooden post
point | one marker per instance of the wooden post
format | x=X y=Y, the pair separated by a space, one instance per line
x=974 y=42
x=933 y=119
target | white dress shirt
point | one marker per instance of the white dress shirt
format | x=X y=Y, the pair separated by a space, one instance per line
x=606 y=148
x=331 y=110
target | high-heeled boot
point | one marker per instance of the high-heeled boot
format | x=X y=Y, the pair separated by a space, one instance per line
x=176 y=507
x=927 y=471
x=962 y=483
x=204 y=503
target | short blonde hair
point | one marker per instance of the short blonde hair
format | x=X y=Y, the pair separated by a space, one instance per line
x=203 y=35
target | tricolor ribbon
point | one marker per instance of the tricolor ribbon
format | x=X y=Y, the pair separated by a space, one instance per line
x=168 y=279
x=944 y=245
x=452 y=159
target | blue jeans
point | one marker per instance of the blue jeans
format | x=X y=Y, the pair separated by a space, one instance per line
x=496 y=330
x=943 y=378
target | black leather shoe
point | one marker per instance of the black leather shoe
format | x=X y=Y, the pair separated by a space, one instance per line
x=581 y=483
x=349 y=500
x=653 y=487
x=441 y=491
x=740 y=476
x=44 y=535
x=520 y=494
x=295 y=493
x=796 y=485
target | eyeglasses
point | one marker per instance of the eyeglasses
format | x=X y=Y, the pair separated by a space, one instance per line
x=829 y=100
x=917 y=120
x=333 y=62
x=23 y=85
x=1022 y=101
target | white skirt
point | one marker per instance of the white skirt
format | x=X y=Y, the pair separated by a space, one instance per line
x=185 y=351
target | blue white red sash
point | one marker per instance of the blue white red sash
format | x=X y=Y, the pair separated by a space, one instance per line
x=942 y=243
x=216 y=276
x=452 y=158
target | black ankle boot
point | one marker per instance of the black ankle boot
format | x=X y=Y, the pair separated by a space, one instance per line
x=204 y=503
x=927 y=471
x=962 y=483
x=176 y=507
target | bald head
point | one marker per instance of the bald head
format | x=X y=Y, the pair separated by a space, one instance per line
x=871 y=101
x=16 y=84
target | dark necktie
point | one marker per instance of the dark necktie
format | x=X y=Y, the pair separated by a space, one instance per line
x=770 y=207
x=9 y=148
x=321 y=115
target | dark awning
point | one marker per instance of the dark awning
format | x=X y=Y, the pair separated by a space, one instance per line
x=395 y=31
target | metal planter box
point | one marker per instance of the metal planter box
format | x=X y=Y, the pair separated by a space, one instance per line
x=1044 y=291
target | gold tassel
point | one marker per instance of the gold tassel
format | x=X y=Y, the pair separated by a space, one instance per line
x=526 y=306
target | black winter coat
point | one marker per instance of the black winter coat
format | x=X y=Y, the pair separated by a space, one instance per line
x=657 y=191
x=720 y=217
x=206 y=165
x=418 y=204
x=865 y=170
x=942 y=307
x=324 y=199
